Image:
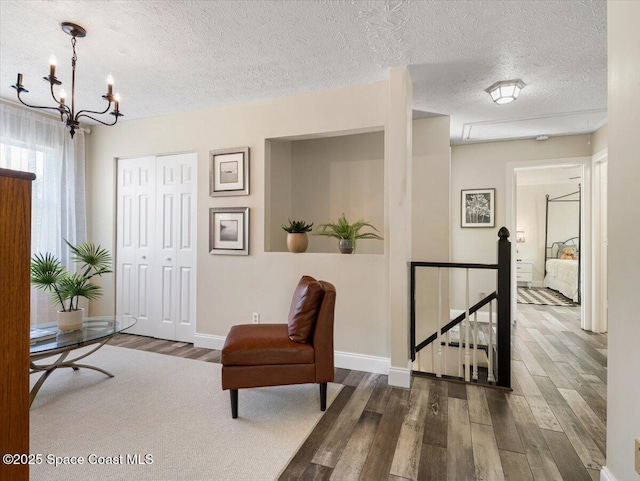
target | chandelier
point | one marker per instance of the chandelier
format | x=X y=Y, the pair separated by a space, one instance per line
x=505 y=91
x=69 y=114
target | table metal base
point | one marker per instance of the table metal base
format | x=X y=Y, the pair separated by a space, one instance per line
x=60 y=363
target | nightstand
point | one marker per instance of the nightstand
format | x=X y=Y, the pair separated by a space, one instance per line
x=524 y=272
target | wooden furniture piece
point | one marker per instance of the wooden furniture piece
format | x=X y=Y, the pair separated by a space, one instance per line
x=299 y=352
x=15 y=254
x=524 y=272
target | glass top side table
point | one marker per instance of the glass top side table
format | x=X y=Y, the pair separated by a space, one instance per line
x=95 y=330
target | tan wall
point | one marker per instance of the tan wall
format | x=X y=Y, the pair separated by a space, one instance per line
x=277 y=194
x=230 y=288
x=599 y=139
x=480 y=166
x=431 y=181
x=623 y=412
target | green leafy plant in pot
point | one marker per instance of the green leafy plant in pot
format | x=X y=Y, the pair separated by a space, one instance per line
x=297 y=240
x=48 y=274
x=347 y=233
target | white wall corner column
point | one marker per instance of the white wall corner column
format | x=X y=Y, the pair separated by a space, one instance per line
x=623 y=390
x=398 y=212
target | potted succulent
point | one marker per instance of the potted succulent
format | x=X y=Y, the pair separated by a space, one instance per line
x=48 y=274
x=297 y=240
x=347 y=233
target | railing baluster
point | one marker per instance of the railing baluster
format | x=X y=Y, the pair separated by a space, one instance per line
x=460 y=326
x=439 y=363
x=475 y=346
x=491 y=377
x=467 y=359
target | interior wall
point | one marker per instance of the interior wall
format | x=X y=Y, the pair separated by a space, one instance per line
x=278 y=201
x=599 y=139
x=623 y=390
x=484 y=165
x=563 y=222
x=431 y=183
x=230 y=288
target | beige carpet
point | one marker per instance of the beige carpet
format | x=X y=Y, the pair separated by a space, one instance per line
x=172 y=409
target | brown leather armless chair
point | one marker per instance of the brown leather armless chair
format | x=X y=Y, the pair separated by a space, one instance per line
x=299 y=352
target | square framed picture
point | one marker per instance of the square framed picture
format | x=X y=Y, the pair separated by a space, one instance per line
x=478 y=208
x=229 y=172
x=229 y=231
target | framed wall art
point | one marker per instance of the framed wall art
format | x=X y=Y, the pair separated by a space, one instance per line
x=229 y=230
x=229 y=172
x=478 y=208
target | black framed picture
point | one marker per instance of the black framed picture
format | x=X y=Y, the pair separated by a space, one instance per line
x=478 y=208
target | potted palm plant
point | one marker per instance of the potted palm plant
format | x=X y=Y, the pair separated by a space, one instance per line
x=297 y=240
x=48 y=274
x=347 y=233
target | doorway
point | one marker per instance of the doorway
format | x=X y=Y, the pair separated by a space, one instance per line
x=548 y=235
x=581 y=168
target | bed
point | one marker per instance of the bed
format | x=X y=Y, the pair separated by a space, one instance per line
x=563 y=275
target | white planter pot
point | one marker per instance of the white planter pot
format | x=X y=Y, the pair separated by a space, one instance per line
x=70 y=320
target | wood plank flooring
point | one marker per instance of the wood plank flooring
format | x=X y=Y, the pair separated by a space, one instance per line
x=550 y=427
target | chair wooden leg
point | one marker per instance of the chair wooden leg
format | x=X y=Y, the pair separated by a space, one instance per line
x=234 y=403
x=323 y=396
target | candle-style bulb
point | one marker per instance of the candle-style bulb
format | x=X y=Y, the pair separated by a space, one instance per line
x=109 y=84
x=63 y=96
x=117 y=98
x=52 y=67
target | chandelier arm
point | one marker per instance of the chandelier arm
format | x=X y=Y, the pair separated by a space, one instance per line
x=60 y=104
x=99 y=121
x=81 y=113
x=40 y=107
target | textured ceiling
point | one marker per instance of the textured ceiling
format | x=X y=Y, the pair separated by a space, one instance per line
x=173 y=56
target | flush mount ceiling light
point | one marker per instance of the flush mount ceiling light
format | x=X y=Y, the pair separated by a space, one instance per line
x=505 y=91
x=69 y=114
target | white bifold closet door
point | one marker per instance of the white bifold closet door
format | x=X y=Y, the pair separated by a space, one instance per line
x=156 y=251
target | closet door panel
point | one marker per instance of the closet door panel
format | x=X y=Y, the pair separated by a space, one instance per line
x=186 y=165
x=135 y=241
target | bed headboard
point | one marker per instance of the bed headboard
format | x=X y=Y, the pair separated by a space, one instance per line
x=557 y=248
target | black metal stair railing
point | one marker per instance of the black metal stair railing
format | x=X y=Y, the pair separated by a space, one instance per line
x=500 y=370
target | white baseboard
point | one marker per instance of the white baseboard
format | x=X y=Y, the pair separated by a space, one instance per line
x=209 y=341
x=362 y=362
x=400 y=377
x=605 y=475
x=344 y=360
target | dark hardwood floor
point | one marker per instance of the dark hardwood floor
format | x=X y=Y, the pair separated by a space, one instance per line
x=551 y=427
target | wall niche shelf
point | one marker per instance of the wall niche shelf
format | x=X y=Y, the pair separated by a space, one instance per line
x=318 y=177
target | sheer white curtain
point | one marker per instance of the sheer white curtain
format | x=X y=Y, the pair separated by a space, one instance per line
x=42 y=145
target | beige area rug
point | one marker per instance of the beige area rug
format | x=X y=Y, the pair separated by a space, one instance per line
x=172 y=409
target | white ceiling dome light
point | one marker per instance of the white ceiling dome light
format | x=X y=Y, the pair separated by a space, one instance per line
x=505 y=91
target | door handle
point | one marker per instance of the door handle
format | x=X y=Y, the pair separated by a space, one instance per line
x=144 y=257
x=168 y=258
